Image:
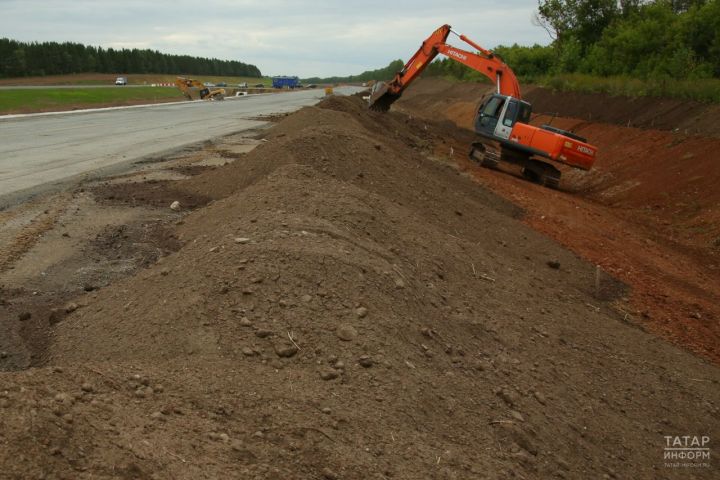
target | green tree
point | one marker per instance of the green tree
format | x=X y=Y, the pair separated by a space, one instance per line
x=699 y=28
x=528 y=62
x=17 y=63
x=385 y=73
x=583 y=20
x=49 y=58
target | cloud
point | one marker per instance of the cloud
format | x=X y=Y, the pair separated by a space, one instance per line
x=281 y=37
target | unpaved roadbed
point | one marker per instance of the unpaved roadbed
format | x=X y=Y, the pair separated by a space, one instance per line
x=59 y=246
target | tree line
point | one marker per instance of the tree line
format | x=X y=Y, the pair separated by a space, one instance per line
x=385 y=73
x=650 y=40
x=21 y=59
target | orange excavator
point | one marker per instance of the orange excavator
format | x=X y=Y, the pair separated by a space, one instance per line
x=502 y=119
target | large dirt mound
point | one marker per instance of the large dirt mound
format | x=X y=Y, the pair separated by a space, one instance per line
x=349 y=307
x=343 y=140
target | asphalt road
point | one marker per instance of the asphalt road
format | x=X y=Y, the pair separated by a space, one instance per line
x=45 y=151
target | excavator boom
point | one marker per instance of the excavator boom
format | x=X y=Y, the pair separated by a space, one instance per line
x=384 y=94
x=484 y=61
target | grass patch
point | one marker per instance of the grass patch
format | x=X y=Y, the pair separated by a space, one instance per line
x=49 y=99
x=701 y=90
x=137 y=79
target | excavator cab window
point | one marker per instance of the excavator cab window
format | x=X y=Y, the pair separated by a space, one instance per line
x=525 y=112
x=489 y=114
x=510 y=113
x=493 y=107
x=517 y=111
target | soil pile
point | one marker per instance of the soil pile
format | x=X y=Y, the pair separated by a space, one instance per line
x=351 y=307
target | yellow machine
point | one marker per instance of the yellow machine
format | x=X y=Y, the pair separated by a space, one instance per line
x=186 y=85
x=328 y=91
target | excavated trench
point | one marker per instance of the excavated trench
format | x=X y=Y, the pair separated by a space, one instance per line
x=648 y=211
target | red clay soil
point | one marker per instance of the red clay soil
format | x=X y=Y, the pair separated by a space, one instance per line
x=349 y=307
x=648 y=213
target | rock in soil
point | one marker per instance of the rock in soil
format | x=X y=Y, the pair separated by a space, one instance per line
x=365 y=361
x=346 y=332
x=329 y=374
x=285 y=350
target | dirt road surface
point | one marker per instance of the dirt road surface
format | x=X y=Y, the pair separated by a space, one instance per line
x=48 y=148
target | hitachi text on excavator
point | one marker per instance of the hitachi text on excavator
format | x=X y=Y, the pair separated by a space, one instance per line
x=502 y=120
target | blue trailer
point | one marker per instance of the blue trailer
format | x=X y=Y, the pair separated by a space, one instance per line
x=285 y=82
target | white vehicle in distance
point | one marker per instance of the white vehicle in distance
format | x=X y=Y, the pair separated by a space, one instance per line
x=121 y=81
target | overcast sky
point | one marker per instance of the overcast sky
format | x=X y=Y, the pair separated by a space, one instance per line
x=305 y=38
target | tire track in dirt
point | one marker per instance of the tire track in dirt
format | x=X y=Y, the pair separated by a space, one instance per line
x=22 y=229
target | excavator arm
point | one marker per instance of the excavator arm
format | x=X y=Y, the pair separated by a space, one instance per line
x=484 y=61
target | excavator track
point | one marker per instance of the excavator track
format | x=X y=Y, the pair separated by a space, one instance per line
x=533 y=170
x=542 y=173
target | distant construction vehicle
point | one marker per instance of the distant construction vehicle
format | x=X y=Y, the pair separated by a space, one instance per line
x=187 y=85
x=285 y=82
x=502 y=119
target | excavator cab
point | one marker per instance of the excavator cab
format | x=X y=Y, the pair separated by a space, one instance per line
x=498 y=114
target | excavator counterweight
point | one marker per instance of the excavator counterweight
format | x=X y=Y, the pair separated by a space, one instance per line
x=502 y=120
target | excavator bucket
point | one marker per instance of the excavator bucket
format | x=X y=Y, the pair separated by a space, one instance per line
x=380 y=98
